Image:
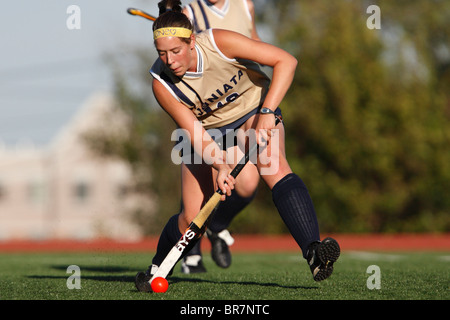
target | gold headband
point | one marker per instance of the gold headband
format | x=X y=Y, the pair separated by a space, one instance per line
x=172 y=32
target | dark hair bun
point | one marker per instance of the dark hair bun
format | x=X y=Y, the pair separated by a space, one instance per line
x=169 y=5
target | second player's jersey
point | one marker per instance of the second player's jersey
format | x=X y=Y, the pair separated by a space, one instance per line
x=221 y=91
x=234 y=16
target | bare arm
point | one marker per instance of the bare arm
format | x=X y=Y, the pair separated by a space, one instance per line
x=234 y=45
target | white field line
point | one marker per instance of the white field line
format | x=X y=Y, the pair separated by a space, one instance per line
x=370 y=256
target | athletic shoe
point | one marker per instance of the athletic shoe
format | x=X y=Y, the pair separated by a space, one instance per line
x=220 y=252
x=192 y=264
x=142 y=279
x=320 y=256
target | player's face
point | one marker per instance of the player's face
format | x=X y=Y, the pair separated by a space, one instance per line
x=178 y=55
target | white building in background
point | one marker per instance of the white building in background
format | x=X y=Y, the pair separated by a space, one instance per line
x=65 y=191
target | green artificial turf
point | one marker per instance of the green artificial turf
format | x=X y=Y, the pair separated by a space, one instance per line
x=251 y=277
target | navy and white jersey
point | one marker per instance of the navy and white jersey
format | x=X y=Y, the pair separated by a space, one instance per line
x=235 y=16
x=221 y=91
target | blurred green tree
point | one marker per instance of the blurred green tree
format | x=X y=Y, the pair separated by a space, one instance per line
x=367 y=116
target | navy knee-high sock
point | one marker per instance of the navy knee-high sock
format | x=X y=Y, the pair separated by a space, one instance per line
x=296 y=208
x=168 y=238
x=227 y=210
x=223 y=216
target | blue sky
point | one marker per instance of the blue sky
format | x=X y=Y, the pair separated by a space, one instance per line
x=47 y=71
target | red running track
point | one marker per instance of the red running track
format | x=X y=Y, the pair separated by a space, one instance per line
x=243 y=243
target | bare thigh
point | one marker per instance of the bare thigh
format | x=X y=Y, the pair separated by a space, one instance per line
x=248 y=179
x=197 y=186
x=271 y=161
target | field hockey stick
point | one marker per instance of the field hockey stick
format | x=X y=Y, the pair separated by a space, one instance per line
x=143 y=14
x=197 y=227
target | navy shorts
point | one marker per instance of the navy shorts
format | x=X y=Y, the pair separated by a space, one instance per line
x=225 y=136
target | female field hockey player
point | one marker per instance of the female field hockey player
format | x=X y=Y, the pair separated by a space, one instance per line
x=238 y=16
x=207 y=82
